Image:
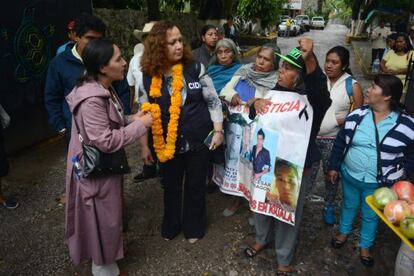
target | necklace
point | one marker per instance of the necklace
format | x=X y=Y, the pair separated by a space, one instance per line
x=165 y=149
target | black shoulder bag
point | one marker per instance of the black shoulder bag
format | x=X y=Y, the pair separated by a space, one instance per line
x=98 y=163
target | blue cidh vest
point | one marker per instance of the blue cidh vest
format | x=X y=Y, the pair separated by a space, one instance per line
x=195 y=122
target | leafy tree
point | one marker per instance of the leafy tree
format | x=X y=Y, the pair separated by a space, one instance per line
x=119 y=4
x=153 y=7
x=173 y=5
x=265 y=10
x=403 y=4
x=337 y=8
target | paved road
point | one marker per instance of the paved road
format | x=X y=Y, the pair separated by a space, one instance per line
x=32 y=237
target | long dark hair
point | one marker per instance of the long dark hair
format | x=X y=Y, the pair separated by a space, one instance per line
x=97 y=54
x=393 y=87
x=343 y=55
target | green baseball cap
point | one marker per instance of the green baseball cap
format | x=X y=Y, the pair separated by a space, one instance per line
x=294 y=57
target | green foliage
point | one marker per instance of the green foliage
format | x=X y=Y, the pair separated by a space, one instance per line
x=265 y=10
x=337 y=8
x=165 y=5
x=309 y=11
x=119 y=4
x=172 y=5
x=403 y=4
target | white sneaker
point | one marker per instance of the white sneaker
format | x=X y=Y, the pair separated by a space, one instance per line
x=194 y=240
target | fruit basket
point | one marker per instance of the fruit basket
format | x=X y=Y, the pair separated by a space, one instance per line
x=396 y=229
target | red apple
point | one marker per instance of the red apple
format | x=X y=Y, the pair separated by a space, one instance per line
x=412 y=208
x=404 y=190
x=397 y=210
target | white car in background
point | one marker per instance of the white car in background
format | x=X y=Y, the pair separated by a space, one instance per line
x=305 y=20
x=294 y=28
x=318 y=22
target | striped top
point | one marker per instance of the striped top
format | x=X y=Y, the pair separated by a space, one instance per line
x=396 y=147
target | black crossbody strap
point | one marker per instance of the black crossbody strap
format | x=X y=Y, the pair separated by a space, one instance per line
x=377 y=142
x=77 y=126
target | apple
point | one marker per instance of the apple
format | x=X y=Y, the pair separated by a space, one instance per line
x=407 y=227
x=382 y=196
x=397 y=210
x=404 y=190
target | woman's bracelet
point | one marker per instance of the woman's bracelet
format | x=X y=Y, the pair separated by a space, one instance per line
x=219 y=131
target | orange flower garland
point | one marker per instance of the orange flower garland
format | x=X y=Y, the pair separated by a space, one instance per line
x=165 y=150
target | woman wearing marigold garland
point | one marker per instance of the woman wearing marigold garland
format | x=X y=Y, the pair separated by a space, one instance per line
x=185 y=108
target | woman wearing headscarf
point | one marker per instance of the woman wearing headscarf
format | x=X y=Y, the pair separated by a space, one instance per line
x=224 y=64
x=250 y=82
x=254 y=79
x=299 y=73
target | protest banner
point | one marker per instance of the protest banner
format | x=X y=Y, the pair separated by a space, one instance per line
x=265 y=157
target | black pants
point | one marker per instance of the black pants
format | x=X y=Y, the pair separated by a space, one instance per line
x=4 y=164
x=377 y=53
x=188 y=213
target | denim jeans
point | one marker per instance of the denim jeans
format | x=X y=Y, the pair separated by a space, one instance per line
x=354 y=194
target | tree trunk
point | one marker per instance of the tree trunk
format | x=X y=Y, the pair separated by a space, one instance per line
x=211 y=9
x=153 y=10
x=228 y=7
x=355 y=9
x=319 y=8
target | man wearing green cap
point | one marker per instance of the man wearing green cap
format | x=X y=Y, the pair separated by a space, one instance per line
x=299 y=73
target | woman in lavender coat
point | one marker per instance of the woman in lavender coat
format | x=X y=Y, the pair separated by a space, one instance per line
x=94 y=204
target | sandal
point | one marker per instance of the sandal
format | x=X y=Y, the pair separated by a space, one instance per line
x=284 y=272
x=366 y=258
x=367 y=261
x=338 y=243
x=249 y=252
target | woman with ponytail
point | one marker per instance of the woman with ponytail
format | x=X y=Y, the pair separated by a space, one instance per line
x=346 y=95
x=94 y=204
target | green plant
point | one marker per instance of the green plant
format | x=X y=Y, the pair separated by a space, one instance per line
x=172 y=5
x=266 y=10
x=119 y=4
x=403 y=4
